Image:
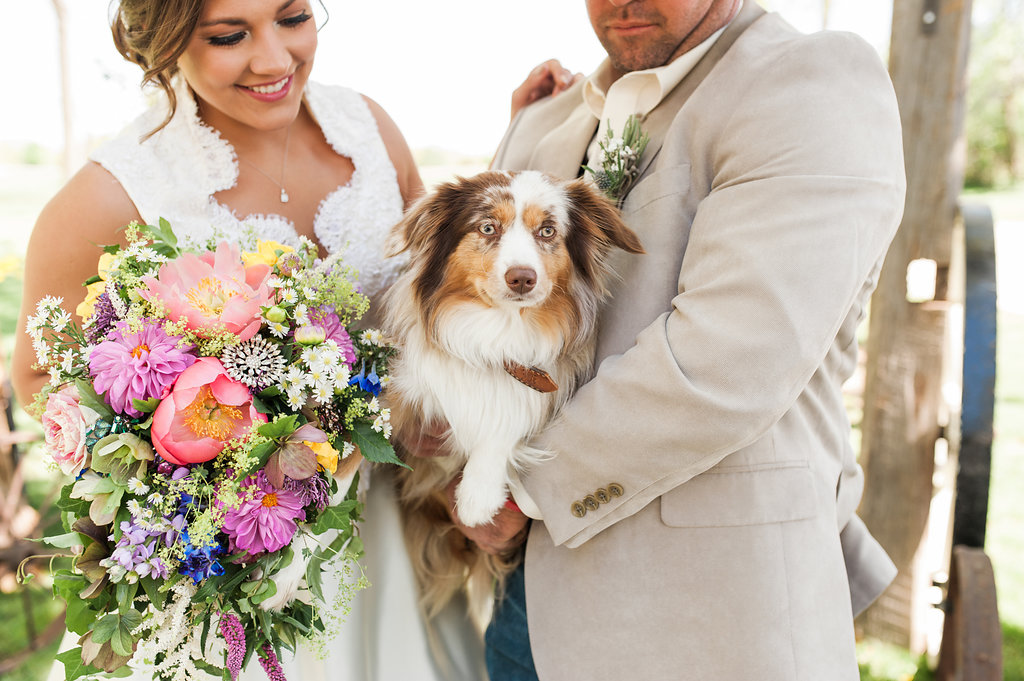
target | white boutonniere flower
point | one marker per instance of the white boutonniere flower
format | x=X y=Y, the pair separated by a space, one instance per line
x=620 y=160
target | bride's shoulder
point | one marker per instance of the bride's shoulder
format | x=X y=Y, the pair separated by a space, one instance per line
x=93 y=204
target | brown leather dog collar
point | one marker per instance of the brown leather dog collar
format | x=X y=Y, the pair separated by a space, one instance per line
x=538 y=379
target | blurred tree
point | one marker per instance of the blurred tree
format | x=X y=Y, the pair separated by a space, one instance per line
x=995 y=97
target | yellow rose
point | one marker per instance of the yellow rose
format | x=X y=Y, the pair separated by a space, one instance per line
x=267 y=253
x=94 y=290
x=326 y=455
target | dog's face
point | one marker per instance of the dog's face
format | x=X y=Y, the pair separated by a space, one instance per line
x=521 y=240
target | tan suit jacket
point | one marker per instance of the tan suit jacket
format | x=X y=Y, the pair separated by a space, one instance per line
x=712 y=447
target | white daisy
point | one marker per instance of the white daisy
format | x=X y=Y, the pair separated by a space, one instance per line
x=301 y=314
x=137 y=487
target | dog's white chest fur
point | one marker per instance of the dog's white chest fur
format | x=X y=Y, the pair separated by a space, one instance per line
x=491 y=414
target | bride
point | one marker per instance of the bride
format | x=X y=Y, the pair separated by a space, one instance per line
x=241 y=140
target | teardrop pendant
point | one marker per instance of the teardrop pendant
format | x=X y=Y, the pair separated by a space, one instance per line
x=284 y=196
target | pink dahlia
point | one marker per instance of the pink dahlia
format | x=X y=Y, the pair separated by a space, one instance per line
x=212 y=291
x=137 y=365
x=204 y=409
x=267 y=521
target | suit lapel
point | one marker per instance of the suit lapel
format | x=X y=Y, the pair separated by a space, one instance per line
x=658 y=121
x=561 y=151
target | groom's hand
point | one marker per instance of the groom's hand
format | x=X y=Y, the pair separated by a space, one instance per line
x=506 y=531
x=548 y=78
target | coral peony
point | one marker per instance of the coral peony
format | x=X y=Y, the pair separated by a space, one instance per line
x=64 y=430
x=213 y=291
x=204 y=409
x=267 y=520
x=136 y=365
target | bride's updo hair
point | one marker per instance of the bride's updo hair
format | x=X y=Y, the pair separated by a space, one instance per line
x=153 y=34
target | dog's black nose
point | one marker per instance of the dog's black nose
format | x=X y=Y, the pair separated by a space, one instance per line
x=521 y=279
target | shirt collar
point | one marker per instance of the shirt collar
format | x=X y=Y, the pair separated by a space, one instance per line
x=646 y=88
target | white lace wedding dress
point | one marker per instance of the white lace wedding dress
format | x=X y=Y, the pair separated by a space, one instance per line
x=175 y=174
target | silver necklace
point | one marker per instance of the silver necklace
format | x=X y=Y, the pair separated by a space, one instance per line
x=284 y=163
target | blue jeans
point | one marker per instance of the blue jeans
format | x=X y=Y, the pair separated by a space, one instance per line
x=506 y=641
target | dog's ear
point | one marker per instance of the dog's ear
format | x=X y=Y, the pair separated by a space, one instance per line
x=424 y=218
x=597 y=226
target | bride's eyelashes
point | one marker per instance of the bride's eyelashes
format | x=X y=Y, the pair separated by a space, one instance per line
x=234 y=38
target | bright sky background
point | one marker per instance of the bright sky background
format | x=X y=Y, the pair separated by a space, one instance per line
x=444 y=70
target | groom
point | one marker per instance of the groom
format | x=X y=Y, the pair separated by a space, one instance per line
x=698 y=520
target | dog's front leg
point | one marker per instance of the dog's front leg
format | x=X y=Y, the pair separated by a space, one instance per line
x=484 y=488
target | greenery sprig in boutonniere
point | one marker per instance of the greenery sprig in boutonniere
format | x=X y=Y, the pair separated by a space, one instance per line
x=620 y=160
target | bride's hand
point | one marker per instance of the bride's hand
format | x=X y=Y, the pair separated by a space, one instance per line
x=506 y=531
x=548 y=78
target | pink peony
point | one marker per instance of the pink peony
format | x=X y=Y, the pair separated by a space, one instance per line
x=138 y=365
x=265 y=522
x=203 y=410
x=64 y=430
x=213 y=291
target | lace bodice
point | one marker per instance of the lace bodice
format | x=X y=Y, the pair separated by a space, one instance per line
x=175 y=174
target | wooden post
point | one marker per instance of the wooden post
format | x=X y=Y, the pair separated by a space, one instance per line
x=902 y=400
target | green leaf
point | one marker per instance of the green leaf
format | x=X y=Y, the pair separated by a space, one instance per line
x=355 y=547
x=105 y=628
x=117 y=628
x=374 y=446
x=335 y=517
x=146 y=406
x=80 y=614
x=126 y=596
x=153 y=591
x=74 y=668
x=88 y=397
x=279 y=428
x=267 y=590
x=78 y=507
x=63 y=541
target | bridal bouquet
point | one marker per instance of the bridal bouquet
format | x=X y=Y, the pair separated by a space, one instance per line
x=200 y=412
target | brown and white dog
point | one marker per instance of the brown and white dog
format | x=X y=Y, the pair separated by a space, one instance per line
x=494 y=320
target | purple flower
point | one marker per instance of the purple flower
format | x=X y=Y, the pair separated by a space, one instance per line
x=136 y=365
x=102 y=320
x=270 y=664
x=334 y=330
x=267 y=521
x=135 y=552
x=234 y=635
x=313 y=491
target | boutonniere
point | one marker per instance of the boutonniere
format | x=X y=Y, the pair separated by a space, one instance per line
x=620 y=160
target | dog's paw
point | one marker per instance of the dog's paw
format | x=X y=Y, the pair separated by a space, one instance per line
x=477 y=504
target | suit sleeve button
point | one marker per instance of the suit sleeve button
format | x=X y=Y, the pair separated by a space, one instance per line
x=590 y=502
x=602 y=495
x=578 y=509
x=615 y=489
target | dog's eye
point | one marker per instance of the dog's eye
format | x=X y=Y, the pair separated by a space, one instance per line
x=487 y=229
x=546 y=232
